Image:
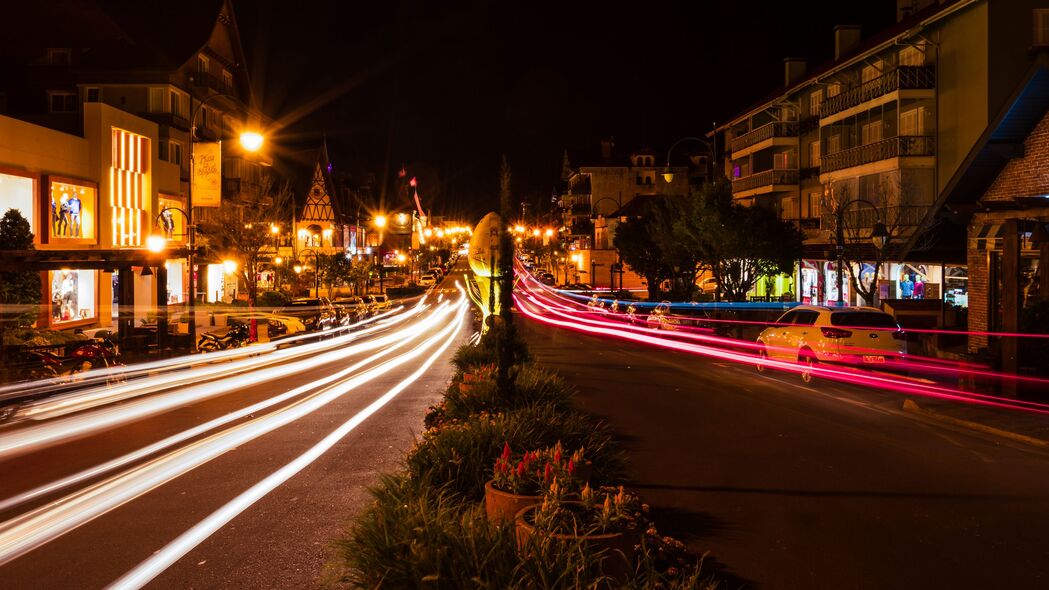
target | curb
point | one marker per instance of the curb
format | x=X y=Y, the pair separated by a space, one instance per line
x=912 y=407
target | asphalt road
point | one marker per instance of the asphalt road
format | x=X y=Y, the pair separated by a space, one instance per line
x=822 y=486
x=281 y=539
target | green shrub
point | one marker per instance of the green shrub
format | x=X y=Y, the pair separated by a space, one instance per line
x=532 y=385
x=272 y=299
x=415 y=536
x=484 y=352
x=460 y=454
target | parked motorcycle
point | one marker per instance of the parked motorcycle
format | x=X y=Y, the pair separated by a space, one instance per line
x=238 y=335
x=96 y=353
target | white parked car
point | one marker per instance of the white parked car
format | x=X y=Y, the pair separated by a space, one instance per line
x=811 y=334
x=427 y=281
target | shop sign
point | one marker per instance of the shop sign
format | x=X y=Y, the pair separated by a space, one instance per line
x=207 y=174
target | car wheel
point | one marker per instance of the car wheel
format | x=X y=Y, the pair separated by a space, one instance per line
x=763 y=355
x=808 y=361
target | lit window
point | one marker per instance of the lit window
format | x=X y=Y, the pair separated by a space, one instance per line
x=71 y=214
x=815 y=100
x=814 y=154
x=175 y=153
x=912 y=56
x=1041 y=27
x=73 y=296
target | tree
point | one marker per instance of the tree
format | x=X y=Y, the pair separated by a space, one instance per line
x=241 y=232
x=894 y=203
x=638 y=248
x=739 y=244
x=19 y=290
x=508 y=333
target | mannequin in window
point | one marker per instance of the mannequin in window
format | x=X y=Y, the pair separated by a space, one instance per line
x=906 y=287
x=167 y=222
x=919 y=287
x=73 y=204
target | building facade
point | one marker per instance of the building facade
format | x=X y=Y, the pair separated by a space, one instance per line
x=873 y=138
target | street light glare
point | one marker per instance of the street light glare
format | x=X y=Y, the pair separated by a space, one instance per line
x=274 y=229
x=155 y=243
x=251 y=141
x=230 y=266
x=380 y=221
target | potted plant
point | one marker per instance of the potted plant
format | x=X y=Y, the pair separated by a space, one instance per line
x=608 y=521
x=518 y=482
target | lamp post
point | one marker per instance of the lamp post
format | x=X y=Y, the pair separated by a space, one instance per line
x=156 y=243
x=252 y=142
x=668 y=173
x=879 y=235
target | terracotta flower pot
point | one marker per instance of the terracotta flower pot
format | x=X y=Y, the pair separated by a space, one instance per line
x=503 y=506
x=615 y=545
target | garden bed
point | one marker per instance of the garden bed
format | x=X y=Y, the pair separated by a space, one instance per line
x=433 y=526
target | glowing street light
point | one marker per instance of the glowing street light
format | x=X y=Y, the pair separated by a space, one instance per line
x=380 y=220
x=230 y=266
x=274 y=229
x=535 y=233
x=155 y=243
x=549 y=232
x=278 y=260
x=251 y=141
x=297 y=268
x=401 y=258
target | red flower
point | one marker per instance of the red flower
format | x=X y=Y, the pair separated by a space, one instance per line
x=547 y=473
x=557 y=456
x=520 y=469
x=571 y=467
x=506 y=450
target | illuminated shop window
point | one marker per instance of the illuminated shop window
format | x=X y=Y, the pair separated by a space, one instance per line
x=176 y=271
x=72 y=211
x=170 y=220
x=128 y=187
x=16 y=192
x=73 y=296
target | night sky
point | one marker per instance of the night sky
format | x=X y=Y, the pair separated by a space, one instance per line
x=447 y=87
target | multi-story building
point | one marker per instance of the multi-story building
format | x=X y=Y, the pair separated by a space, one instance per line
x=83 y=54
x=873 y=137
x=597 y=197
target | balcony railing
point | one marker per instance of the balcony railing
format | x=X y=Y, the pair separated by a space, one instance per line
x=169 y=119
x=907 y=145
x=902 y=78
x=775 y=129
x=766 y=178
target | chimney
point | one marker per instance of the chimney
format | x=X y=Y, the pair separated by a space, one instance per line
x=606 y=150
x=846 y=38
x=793 y=70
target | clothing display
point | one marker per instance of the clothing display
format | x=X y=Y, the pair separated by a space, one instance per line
x=907 y=288
x=919 y=289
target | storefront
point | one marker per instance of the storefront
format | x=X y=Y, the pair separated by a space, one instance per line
x=73 y=297
x=176 y=275
x=72 y=211
x=17 y=191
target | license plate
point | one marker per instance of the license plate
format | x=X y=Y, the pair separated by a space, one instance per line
x=869 y=358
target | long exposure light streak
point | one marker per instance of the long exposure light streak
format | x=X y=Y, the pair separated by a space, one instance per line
x=172 y=552
x=25 y=532
x=63 y=429
x=835 y=373
x=60 y=405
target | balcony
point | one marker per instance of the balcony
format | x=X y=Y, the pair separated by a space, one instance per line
x=809 y=224
x=894 y=147
x=902 y=78
x=895 y=218
x=169 y=119
x=766 y=178
x=765 y=132
x=205 y=80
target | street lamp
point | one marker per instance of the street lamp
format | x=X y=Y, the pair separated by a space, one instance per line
x=251 y=141
x=879 y=237
x=668 y=172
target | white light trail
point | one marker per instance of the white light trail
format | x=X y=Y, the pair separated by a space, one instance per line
x=39 y=526
x=161 y=560
x=64 y=429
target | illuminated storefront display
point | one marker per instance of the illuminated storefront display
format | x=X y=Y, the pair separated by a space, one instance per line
x=170 y=221
x=74 y=296
x=72 y=210
x=16 y=192
x=176 y=270
x=129 y=187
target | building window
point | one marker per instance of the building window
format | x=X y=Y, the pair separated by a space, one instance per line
x=810 y=205
x=61 y=102
x=833 y=144
x=871 y=132
x=59 y=56
x=833 y=89
x=203 y=117
x=871 y=72
x=814 y=154
x=92 y=95
x=72 y=211
x=175 y=152
x=815 y=101
x=912 y=122
x=162 y=151
x=912 y=56
x=73 y=296
x=227 y=81
x=783 y=160
x=18 y=193
x=637 y=179
x=175 y=103
x=202 y=64
x=1041 y=27
x=128 y=184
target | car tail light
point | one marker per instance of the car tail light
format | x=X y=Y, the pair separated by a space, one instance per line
x=835 y=333
x=899 y=335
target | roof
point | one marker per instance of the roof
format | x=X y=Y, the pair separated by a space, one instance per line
x=1002 y=138
x=899 y=29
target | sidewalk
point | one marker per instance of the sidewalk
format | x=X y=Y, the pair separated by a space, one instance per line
x=1019 y=425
